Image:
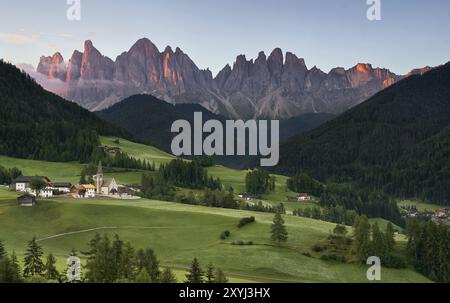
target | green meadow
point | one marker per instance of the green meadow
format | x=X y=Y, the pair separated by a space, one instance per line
x=178 y=232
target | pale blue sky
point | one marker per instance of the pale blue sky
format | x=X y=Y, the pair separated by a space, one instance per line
x=327 y=33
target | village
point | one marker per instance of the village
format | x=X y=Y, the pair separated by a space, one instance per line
x=34 y=187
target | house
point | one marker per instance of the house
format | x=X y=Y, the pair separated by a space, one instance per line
x=78 y=191
x=300 y=198
x=61 y=187
x=105 y=187
x=22 y=183
x=83 y=191
x=44 y=193
x=26 y=200
x=303 y=197
x=441 y=214
x=89 y=190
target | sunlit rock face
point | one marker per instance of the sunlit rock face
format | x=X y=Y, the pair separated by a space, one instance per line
x=274 y=86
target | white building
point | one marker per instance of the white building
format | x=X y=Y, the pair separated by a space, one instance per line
x=23 y=184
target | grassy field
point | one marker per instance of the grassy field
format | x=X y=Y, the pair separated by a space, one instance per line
x=177 y=232
x=229 y=177
x=180 y=232
x=421 y=206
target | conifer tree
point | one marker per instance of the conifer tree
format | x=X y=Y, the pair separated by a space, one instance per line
x=33 y=260
x=167 y=276
x=51 y=273
x=279 y=233
x=195 y=274
x=210 y=274
x=362 y=238
x=390 y=237
x=2 y=250
x=143 y=277
x=220 y=276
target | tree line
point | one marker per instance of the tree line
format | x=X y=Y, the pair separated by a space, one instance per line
x=259 y=181
x=108 y=261
x=7 y=175
x=429 y=247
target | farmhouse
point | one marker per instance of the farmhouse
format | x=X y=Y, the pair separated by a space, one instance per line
x=26 y=200
x=23 y=184
x=304 y=197
x=300 y=197
x=83 y=191
x=61 y=187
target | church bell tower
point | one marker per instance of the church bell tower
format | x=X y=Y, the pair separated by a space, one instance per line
x=99 y=178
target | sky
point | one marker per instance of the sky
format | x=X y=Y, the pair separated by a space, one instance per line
x=326 y=33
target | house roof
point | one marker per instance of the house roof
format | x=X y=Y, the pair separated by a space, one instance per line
x=26 y=197
x=29 y=179
x=61 y=184
x=89 y=186
x=107 y=182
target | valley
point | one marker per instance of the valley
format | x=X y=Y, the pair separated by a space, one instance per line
x=177 y=232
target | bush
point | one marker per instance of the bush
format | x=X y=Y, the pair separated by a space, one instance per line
x=334 y=257
x=225 y=234
x=318 y=247
x=392 y=261
x=246 y=221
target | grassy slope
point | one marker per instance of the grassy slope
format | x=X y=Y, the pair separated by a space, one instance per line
x=159 y=225
x=421 y=206
x=229 y=176
x=180 y=232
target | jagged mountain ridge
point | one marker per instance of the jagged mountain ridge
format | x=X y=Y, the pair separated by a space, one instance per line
x=277 y=86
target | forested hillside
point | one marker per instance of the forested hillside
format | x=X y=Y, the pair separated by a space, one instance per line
x=382 y=144
x=37 y=124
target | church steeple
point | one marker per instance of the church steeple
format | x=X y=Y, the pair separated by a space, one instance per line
x=99 y=178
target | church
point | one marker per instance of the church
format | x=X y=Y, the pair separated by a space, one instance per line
x=104 y=186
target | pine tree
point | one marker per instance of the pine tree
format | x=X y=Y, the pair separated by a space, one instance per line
x=362 y=238
x=279 y=233
x=51 y=273
x=147 y=260
x=2 y=250
x=168 y=276
x=210 y=274
x=143 y=277
x=390 y=237
x=220 y=276
x=15 y=269
x=195 y=274
x=378 y=247
x=33 y=260
x=83 y=178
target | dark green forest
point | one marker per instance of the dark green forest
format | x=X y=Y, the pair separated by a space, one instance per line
x=40 y=125
x=396 y=142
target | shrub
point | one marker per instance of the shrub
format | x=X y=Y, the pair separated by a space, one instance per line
x=245 y=221
x=225 y=234
x=318 y=247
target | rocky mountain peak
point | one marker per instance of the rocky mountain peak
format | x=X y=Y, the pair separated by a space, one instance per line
x=277 y=86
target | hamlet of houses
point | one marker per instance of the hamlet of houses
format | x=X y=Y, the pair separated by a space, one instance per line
x=103 y=187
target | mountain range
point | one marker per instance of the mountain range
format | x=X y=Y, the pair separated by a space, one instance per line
x=278 y=86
